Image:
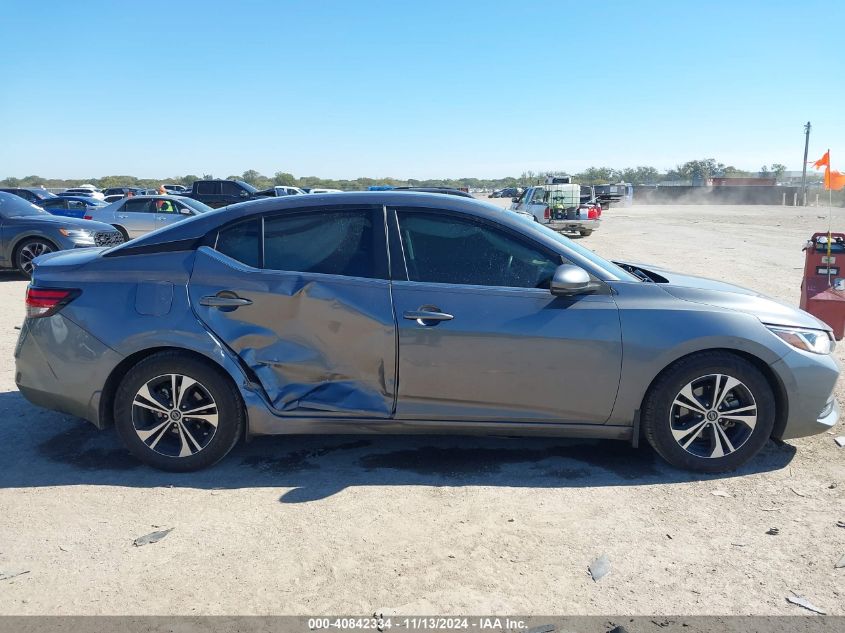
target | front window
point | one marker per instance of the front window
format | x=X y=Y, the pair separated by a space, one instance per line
x=443 y=248
x=231 y=188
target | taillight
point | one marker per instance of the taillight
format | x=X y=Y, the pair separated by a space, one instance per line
x=42 y=302
x=593 y=213
x=87 y=217
x=547 y=214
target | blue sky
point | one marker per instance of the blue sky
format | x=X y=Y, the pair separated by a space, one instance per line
x=414 y=89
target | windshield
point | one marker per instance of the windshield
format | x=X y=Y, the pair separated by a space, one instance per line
x=586 y=253
x=11 y=206
x=196 y=205
x=247 y=186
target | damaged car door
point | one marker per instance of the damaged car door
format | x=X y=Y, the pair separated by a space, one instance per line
x=303 y=298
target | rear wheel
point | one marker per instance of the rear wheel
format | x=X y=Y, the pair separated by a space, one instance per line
x=29 y=250
x=178 y=413
x=710 y=412
x=585 y=233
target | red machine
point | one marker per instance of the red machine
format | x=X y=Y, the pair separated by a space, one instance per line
x=823 y=286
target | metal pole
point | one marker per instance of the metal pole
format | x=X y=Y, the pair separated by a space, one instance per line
x=804 y=164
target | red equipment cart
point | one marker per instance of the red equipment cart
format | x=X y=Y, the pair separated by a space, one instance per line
x=823 y=286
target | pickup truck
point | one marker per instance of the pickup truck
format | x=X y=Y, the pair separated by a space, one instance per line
x=561 y=207
x=219 y=193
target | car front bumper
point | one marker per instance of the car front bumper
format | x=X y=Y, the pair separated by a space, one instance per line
x=809 y=381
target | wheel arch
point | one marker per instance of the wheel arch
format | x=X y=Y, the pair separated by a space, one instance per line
x=777 y=386
x=107 y=397
x=21 y=239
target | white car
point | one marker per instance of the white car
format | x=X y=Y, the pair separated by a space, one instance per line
x=325 y=191
x=89 y=191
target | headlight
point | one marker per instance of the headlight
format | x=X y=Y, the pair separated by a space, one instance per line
x=79 y=236
x=816 y=341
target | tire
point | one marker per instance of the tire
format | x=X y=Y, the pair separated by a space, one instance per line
x=172 y=441
x=585 y=233
x=28 y=250
x=122 y=232
x=700 y=437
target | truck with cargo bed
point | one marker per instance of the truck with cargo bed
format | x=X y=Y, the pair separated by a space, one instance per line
x=561 y=206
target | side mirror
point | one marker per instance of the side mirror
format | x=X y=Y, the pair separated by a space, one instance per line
x=185 y=212
x=570 y=280
x=515 y=199
x=244 y=194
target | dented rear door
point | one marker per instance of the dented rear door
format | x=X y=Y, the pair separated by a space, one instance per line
x=304 y=300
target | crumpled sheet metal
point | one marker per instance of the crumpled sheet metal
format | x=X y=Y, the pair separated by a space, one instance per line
x=317 y=345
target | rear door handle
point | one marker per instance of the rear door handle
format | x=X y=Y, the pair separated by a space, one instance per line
x=218 y=301
x=432 y=314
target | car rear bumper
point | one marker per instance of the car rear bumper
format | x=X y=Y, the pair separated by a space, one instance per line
x=809 y=380
x=71 y=381
x=573 y=225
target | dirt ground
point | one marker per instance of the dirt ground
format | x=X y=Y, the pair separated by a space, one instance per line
x=429 y=525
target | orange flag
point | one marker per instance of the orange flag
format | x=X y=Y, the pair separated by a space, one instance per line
x=833 y=179
x=824 y=161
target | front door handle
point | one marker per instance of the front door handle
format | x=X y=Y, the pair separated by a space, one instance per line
x=122 y=217
x=224 y=301
x=427 y=315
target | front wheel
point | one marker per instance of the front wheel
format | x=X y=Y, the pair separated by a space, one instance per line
x=28 y=251
x=178 y=413
x=710 y=412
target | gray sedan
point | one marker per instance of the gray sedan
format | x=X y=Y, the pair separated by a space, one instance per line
x=380 y=312
x=27 y=231
x=139 y=215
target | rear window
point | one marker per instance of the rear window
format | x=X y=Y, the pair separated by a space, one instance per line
x=333 y=243
x=242 y=242
x=336 y=243
x=208 y=188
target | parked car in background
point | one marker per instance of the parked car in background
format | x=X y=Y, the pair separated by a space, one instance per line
x=175 y=190
x=122 y=191
x=279 y=191
x=444 y=190
x=27 y=231
x=138 y=215
x=83 y=191
x=324 y=190
x=30 y=194
x=219 y=193
x=410 y=312
x=507 y=192
x=71 y=206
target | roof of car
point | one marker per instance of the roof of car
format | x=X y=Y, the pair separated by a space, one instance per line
x=88 y=199
x=198 y=226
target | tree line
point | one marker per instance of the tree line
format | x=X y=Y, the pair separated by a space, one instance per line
x=641 y=175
